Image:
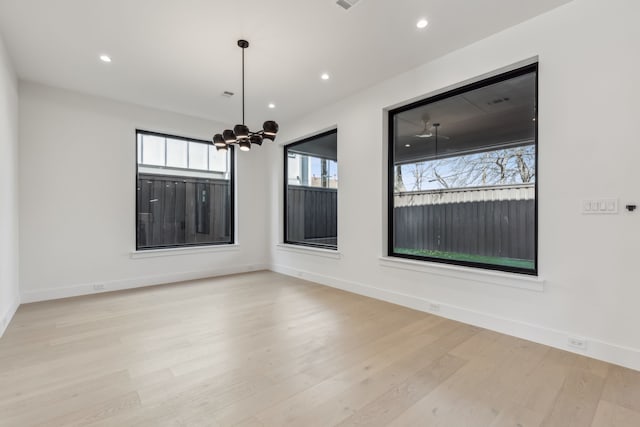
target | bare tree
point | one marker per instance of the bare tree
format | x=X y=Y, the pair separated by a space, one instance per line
x=522 y=160
x=440 y=179
x=498 y=167
x=501 y=162
x=420 y=172
x=398 y=183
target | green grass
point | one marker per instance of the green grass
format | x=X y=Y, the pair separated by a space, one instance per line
x=493 y=260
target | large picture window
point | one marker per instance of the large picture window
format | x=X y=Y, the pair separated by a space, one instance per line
x=311 y=191
x=184 y=192
x=463 y=175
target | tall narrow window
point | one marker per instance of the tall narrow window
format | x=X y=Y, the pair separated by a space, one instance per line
x=184 y=192
x=311 y=191
x=463 y=175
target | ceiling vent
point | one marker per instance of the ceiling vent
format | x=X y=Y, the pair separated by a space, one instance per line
x=347 y=4
x=498 y=101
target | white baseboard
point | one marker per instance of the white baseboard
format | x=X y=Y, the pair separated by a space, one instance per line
x=138 y=282
x=6 y=317
x=597 y=349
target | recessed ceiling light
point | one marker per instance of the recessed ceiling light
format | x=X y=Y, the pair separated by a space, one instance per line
x=105 y=58
x=272 y=105
x=407 y=145
x=324 y=76
x=422 y=23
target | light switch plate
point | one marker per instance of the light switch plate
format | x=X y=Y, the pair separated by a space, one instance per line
x=600 y=206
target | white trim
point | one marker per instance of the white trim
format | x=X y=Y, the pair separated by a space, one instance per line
x=6 y=318
x=608 y=352
x=512 y=280
x=152 y=253
x=309 y=250
x=138 y=282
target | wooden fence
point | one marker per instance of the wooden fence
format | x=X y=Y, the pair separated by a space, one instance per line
x=175 y=211
x=179 y=210
x=488 y=222
x=312 y=214
x=503 y=228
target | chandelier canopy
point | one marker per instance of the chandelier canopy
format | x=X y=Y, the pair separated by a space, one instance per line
x=241 y=134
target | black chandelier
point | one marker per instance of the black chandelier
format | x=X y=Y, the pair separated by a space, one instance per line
x=241 y=134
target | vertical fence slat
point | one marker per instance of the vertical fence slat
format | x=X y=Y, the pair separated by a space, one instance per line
x=180 y=211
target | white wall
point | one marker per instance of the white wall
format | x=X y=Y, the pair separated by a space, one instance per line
x=77 y=223
x=9 y=295
x=589 y=105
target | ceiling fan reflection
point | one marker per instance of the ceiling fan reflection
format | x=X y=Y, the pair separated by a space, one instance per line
x=427 y=131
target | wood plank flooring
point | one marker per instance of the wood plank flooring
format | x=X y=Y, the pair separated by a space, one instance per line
x=262 y=349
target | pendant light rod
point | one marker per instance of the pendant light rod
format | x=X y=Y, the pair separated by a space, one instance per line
x=243 y=86
x=243 y=44
x=436 y=125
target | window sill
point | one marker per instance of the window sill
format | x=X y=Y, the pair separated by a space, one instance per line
x=153 y=253
x=308 y=250
x=512 y=280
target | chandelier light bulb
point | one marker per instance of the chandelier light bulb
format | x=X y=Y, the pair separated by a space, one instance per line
x=245 y=145
x=241 y=131
x=270 y=128
x=229 y=136
x=219 y=141
x=255 y=139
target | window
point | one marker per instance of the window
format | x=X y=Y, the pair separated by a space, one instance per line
x=184 y=192
x=311 y=191
x=463 y=175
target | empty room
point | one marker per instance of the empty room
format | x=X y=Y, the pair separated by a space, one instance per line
x=319 y=213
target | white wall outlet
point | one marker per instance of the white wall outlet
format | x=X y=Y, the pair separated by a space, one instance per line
x=600 y=206
x=98 y=287
x=577 y=343
x=434 y=308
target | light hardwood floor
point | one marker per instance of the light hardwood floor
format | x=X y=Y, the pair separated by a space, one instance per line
x=265 y=349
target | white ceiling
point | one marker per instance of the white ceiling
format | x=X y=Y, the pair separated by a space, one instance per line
x=180 y=55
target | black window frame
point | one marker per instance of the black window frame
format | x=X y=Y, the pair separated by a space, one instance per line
x=531 y=68
x=232 y=192
x=285 y=193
